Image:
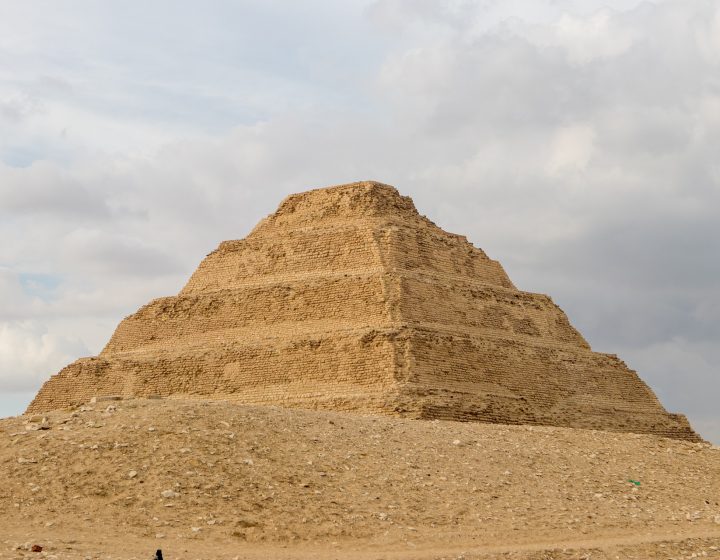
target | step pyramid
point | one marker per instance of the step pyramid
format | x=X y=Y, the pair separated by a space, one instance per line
x=347 y=299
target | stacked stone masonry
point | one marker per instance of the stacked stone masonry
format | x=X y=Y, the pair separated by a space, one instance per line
x=347 y=299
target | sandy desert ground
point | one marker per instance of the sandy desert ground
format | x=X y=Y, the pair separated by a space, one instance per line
x=215 y=479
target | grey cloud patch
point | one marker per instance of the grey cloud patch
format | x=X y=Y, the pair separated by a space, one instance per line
x=675 y=362
x=18 y=107
x=653 y=277
x=97 y=252
x=675 y=368
x=46 y=189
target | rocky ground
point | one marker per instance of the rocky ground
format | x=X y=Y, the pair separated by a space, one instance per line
x=213 y=479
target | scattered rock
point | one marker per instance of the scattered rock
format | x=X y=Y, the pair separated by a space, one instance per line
x=36 y=548
x=336 y=482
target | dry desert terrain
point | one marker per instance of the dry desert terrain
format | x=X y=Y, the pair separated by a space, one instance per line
x=214 y=479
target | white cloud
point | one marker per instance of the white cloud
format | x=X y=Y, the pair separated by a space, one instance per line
x=28 y=353
x=571 y=148
x=585 y=39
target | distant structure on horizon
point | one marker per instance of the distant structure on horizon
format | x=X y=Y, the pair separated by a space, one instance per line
x=347 y=299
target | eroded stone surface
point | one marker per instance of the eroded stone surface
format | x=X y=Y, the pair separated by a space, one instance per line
x=347 y=299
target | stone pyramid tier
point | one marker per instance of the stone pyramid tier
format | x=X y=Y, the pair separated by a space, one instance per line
x=347 y=299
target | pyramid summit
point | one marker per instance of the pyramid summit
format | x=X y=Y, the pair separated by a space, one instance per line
x=346 y=298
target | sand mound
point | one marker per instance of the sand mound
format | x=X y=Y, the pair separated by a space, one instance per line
x=214 y=479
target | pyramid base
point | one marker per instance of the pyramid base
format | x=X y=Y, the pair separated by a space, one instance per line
x=390 y=371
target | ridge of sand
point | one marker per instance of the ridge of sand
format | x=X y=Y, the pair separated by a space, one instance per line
x=216 y=479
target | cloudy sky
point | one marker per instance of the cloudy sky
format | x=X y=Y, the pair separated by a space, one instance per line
x=574 y=140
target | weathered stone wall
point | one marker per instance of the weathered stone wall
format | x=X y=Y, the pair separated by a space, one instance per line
x=351 y=365
x=301 y=304
x=519 y=381
x=405 y=247
x=474 y=307
x=346 y=298
x=286 y=255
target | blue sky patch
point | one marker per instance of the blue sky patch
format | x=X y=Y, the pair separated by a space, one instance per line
x=39 y=285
